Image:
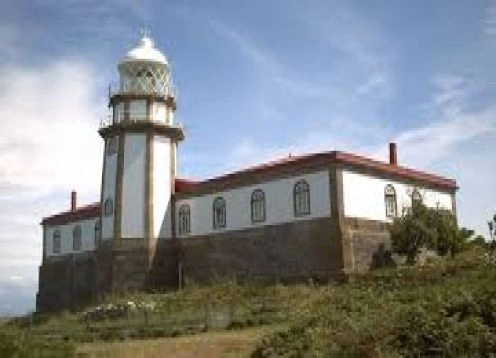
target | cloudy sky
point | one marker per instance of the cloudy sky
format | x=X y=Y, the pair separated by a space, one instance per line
x=256 y=80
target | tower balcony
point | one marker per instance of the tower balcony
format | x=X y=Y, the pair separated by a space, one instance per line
x=124 y=118
x=109 y=129
x=138 y=90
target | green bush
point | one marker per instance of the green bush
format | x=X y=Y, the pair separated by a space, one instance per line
x=22 y=344
x=432 y=228
x=428 y=332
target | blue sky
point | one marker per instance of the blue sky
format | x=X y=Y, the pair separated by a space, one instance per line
x=256 y=80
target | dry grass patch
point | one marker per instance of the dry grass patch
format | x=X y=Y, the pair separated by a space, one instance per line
x=237 y=343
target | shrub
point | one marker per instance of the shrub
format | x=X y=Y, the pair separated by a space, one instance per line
x=432 y=228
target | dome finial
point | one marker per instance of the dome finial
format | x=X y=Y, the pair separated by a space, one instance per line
x=145 y=32
x=146 y=40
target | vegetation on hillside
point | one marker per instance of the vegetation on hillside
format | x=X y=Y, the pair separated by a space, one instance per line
x=447 y=309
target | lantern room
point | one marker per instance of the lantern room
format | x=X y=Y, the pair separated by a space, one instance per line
x=145 y=87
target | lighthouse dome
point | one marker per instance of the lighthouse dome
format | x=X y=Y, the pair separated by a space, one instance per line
x=145 y=52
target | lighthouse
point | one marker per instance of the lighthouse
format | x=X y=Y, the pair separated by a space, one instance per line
x=139 y=164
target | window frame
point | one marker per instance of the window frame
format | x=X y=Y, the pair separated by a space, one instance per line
x=223 y=206
x=97 y=232
x=390 y=196
x=301 y=198
x=260 y=200
x=57 y=242
x=112 y=145
x=77 y=238
x=184 y=220
x=108 y=207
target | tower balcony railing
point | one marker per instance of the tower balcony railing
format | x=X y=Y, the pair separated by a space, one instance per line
x=131 y=118
x=141 y=90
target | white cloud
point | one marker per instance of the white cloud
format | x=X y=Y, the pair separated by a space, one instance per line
x=272 y=70
x=48 y=146
x=490 y=18
x=49 y=139
x=376 y=81
x=422 y=146
x=251 y=51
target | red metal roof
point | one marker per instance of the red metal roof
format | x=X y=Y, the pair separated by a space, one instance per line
x=396 y=170
x=346 y=159
x=82 y=213
x=184 y=184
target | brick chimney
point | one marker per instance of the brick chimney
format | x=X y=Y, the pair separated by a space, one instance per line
x=393 y=155
x=73 y=200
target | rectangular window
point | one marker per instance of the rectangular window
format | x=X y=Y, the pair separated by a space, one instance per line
x=112 y=144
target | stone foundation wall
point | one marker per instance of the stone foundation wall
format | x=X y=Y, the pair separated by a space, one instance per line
x=66 y=282
x=287 y=252
x=370 y=244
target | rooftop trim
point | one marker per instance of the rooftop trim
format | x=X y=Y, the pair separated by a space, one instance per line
x=86 y=212
x=323 y=158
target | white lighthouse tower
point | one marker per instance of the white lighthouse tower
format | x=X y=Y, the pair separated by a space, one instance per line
x=139 y=165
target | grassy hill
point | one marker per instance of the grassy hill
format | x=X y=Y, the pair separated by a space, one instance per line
x=446 y=308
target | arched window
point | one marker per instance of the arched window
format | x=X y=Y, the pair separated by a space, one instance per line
x=390 y=201
x=301 y=198
x=219 y=211
x=76 y=238
x=257 y=206
x=184 y=220
x=56 y=242
x=108 y=207
x=97 y=233
x=416 y=197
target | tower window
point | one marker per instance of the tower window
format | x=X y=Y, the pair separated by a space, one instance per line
x=146 y=80
x=390 y=201
x=56 y=242
x=108 y=207
x=76 y=238
x=219 y=211
x=301 y=197
x=97 y=233
x=112 y=146
x=184 y=226
x=257 y=206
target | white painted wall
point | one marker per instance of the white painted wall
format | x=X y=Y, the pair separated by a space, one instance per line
x=87 y=237
x=159 y=113
x=278 y=199
x=133 y=189
x=109 y=191
x=137 y=110
x=161 y=187
x=364 y=196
